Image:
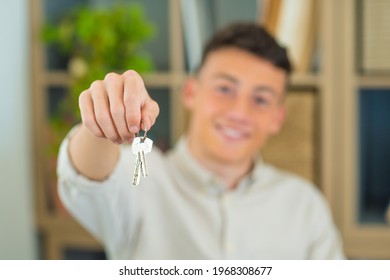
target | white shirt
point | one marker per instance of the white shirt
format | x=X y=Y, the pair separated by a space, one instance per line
x=181 y=211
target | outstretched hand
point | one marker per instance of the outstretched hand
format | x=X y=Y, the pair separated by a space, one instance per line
x=118 y=107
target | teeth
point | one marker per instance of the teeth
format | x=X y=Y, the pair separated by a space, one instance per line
x=232 y=133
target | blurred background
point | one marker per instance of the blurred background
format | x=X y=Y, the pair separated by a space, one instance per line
x=338 y=129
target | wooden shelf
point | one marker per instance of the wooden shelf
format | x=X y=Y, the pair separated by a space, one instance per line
x=304 y=80
x=369 y=242
x=62 y=78
x=370 y=81
x=166 y=79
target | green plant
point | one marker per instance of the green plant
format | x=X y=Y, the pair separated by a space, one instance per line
x=97 y=41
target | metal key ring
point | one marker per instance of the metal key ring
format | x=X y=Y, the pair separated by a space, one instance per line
x=137 y=134
x=145 y=132
x=143 y=138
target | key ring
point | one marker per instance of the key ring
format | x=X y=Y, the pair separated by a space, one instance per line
x=145 y=133
x=143 y=138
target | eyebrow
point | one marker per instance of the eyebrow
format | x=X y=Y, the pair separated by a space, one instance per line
x=260 y=88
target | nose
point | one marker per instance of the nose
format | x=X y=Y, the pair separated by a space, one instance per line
x=240 y=111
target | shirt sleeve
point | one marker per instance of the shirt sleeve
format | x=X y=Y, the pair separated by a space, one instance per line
x=326 y=243
x=107 y=209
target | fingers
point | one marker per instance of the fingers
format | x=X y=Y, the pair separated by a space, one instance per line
x=88 y=113
x=115 y=107
x=133 y=91
x=150 y=112
x=140 y=109
x=114 y=85
x=101 y=106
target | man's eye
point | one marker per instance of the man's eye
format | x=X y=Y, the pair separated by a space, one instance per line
x=259 y=100
x=225 y=89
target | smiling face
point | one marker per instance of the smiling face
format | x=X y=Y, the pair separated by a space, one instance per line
x=236 y=103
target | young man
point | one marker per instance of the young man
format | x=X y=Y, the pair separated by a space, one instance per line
x=210 y=197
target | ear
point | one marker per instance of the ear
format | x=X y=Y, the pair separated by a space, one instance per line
x=278 y=120
x=189 y=92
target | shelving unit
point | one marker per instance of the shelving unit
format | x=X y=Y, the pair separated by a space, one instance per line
x=334 y=151
x=362 y=240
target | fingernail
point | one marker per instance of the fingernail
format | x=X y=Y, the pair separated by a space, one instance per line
x=134 y=129
x=145 y=125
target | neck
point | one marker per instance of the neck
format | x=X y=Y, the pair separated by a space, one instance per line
x=229 y=172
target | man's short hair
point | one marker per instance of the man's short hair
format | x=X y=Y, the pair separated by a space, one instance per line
x=252 y=38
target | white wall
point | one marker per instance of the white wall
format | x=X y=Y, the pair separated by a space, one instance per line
x=17 y=232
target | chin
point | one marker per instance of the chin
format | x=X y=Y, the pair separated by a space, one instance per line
x=226 y=155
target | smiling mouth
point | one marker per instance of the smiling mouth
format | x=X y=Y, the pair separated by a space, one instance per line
x=232 y=134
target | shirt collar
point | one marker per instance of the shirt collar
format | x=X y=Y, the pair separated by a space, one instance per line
x=202 y=178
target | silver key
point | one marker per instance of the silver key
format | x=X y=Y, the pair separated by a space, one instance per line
x=140 y=147
x=144 y=168
x=136 y=177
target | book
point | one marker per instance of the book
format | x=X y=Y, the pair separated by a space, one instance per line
x=270 y=12
x=293 y=24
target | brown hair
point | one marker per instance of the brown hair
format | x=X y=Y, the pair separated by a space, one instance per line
x=252 y=38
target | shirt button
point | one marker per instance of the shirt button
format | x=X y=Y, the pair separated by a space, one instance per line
x=214 y=187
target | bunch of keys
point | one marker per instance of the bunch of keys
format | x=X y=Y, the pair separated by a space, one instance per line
x=140 y=147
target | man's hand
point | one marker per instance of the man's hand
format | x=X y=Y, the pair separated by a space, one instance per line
x=117 y=107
